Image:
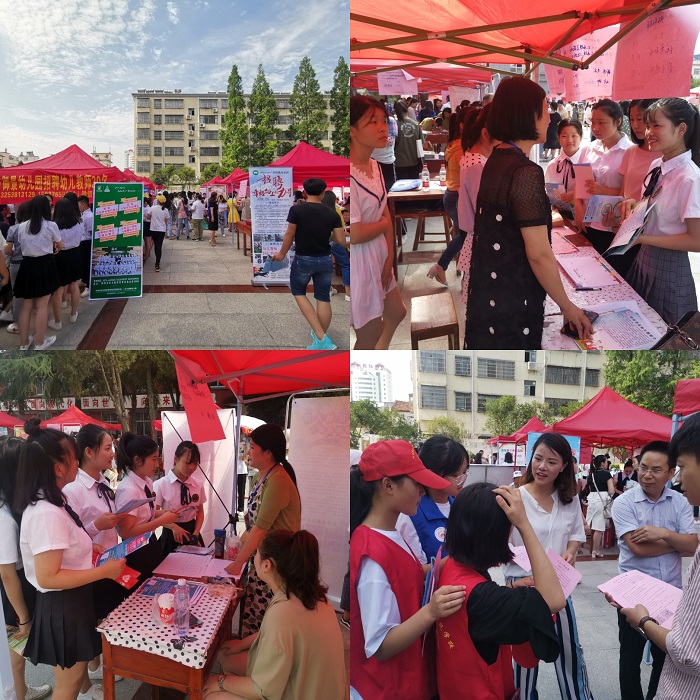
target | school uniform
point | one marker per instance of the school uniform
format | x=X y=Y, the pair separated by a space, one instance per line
x=37 y=275
x=130 y=488
x=68 y=259
x=10 y=554
x=63 y=626
x=174 y=494
x=90 y=499
x=561 y=171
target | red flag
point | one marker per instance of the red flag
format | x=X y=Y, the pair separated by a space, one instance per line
x=200 y=408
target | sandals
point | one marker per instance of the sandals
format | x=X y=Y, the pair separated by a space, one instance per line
x=595 y=554
x=438 y=274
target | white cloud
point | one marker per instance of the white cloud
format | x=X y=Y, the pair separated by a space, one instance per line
x=173 y=12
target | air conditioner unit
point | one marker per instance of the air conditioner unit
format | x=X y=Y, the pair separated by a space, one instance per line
x=202 y=126
x=532 y=366
x=193 y=149
x=214 y=109
x=189 y=116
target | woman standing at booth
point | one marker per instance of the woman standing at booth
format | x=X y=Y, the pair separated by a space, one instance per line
x=273 y=505
x=602 y=489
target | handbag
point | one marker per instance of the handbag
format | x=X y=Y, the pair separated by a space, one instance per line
x=607 y=508
x=684 y=335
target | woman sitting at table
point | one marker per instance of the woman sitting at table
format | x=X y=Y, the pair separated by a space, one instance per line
x=513 y=267
x=273 y=505
x=298 y=653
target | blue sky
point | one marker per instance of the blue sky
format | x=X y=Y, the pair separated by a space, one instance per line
x=69 y=67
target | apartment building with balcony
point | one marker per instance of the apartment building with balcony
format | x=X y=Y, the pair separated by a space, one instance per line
x=182 y=129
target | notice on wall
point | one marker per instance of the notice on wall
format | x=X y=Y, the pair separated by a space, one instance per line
x=656 y=57
x=396 y=82
x=270 y=199
x=116 y=262
x=458 y=93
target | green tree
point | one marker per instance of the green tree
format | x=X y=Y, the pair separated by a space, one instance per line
x=308 y=107
x=366 y=417
x=164 y=176
x=185 y=176
x=340 y=105
x=447 y=426
x=234 y=131
x=263 y=116
x=649 y=378
x=567 y=409
x=209 y=172
x=505 y=415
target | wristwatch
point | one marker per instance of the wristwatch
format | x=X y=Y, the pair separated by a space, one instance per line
x=643 y=621
x=220 y=681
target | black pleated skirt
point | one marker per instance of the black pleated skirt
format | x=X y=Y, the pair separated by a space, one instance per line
x=63 y=629
x=36 y=277
x=69 y=263
x=29 y=593
x=167 y=540
x=107 y=595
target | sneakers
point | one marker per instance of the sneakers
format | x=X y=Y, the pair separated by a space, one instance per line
x=55 y=325
x=95 y=693
x=97 y=674
x=74 y=317
x=325 y=344
x=85 y=293
x=6 y=316
x=64 y=304
x=48 y=342
x=13 y=328
x=347 y=297
x=28 y=345
x=157 y=267
x=37 y=693
x=334 y=291
x=344 y=622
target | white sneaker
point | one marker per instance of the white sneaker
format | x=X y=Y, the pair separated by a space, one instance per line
x=85 y=293
x=97 y=674
x=74 y=317
x=64 y=304
x=6 y=315
x=13 y=328
x=28 y=345
x=55 y=325
x=48 y=342
x=95 y=693
x=347 y=297
x=334 y=291
x=37 y=693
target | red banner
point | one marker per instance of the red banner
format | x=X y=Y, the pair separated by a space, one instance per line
x=200 y=408
x=14 y=188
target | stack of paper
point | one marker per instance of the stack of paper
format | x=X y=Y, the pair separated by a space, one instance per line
x=568 y=576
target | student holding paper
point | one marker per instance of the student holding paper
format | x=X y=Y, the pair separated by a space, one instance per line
x=561 y=169
x=654 y=526
x=387 y=579
x=474 y=655
x=549 y=495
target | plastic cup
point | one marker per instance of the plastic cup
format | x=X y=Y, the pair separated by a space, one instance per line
x=166 y=608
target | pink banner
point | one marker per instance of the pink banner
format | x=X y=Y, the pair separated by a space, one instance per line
x=200 y=409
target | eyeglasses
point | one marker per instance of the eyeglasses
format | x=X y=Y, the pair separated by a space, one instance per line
x=459 y=480
x=653 y=472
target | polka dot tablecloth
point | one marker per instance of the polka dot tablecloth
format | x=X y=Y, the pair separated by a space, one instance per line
x=133 y=625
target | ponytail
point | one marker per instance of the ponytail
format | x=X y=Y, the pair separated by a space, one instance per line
x=680 y=111
x=474 y=124
x=271 y=437
x=130 y=447
x=361 y=494
x=296 y=559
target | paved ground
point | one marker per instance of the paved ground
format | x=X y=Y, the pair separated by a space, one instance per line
x=201 y=298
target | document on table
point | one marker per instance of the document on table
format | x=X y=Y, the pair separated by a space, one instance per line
x=561 y=245
x=630 y=229
x=633 y=588
x=216 y=568
x=588 y=272
x=621 y=325
x=568 y=576
x=584 y=172
x=598 y=206
x=133 y=505
x=194 y=566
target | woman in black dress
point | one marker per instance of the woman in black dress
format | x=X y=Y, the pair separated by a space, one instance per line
x=513 y=267
x=551 y=143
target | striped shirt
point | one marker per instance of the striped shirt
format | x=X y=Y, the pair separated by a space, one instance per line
x=680 y=678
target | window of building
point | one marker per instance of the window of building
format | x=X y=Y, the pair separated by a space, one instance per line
x=190 y=111
x=142 y=134
x=192 y=159
x=530 y=388
x=463 y=401
x=531 y=356
x=556 y=404
x=143 y=166
x=209 y=119
x=157 y=104
x=481 y=400
x=224 y=104
x=143 y=117
x=212 y=135
x=432 y=361
x=143 y=102
x=284 y=120
x=190 y=143
x=158 y=135
x=562 y=375
x=463 y=366
x=592 y=377
x=696 y=71
x=209 y=151
x=143 y=150
x=433 y=397
x=174 y=119
x=208 y=104
x=495 y=369
x=174 y=151
x=157 y=118
x=157 y=150
x=174 y=104
x=283 y=104
x=174 y=135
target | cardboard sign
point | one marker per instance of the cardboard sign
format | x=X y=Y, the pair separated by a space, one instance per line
x=396 y=82
x=200 y=409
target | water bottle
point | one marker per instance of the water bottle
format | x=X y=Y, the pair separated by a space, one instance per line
x=443 y=176
x=425 y=175
x=233 y=544
x=182 y=608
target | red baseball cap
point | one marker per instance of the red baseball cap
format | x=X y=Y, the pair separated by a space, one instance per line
x=396 y=458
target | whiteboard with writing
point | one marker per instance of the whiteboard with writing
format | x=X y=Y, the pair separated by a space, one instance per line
x=319 y=444
x=656 y=57
x=457 y=94
x=396 y=82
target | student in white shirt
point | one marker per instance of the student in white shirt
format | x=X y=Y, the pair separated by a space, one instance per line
x=137 y=461
x=91 y=497
x=160 y=221
x=66 y=216
x=561 y=169
x=18 y=595
x=179 y=491
x=57 y=556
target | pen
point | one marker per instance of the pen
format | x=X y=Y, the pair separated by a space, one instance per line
x=589 y=289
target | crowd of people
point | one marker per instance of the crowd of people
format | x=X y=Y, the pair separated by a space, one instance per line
x=428 y=621
x=643 y=151
x=58 y=509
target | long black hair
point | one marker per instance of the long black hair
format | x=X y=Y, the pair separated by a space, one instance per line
x=91 y=436
x=443 y=455
x=132 y=446
x=361 y=495
x=39 y=211
x=10 y=447
x=361 y=104
x=191 y=447
x=64 y=215
x=271 y=437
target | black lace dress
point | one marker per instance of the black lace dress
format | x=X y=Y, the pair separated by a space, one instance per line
x=505 y=302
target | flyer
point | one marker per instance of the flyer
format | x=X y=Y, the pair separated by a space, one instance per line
x=631 y=229
x=120 y=550
x=598 y=206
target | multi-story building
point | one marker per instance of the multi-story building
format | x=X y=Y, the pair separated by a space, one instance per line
x=371 y=382
x=104 y=157
x=696 y=67
x=182 y=129
x=7 y=160
x=458 y=384
x=129 y=161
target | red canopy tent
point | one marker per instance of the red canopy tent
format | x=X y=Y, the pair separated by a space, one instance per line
x=8 y=421
x=74 y=416
x=71 y=170
x=147 y=184
x=214 y=181
x=609 y=419
x=534 y=425
x=307 y=161
x=686 y=398
x=236 y=178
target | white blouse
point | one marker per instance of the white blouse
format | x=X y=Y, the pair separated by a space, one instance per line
x=168 y=496
x=82 y=496
x=551 y=174
x=133 y=487
x=606 y=163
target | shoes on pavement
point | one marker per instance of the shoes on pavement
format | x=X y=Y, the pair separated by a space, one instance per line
x=438 y=274
x=74 y=317
x=334 y=291
x=85 y=293
x=97 y=674
x=6 y=315
x=95 y=693
x=325 y=344
x=64 y=304
x=347 y=297
x=38 y=692
x=28 y=345
x=48 y=342
x=13 y=328
x=344 y=622
x=55 y=325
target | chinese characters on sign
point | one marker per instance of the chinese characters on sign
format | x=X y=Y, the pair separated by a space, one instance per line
x=13 y=187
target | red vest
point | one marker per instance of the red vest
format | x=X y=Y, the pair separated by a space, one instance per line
x=461 y=672
x=405 y=675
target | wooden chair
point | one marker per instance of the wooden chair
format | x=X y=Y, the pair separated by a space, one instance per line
x=243 y=227
x=437 y=141
x=433 y=316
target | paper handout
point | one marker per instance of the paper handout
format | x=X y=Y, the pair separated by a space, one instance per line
x=598 y=206
x=620 y=325
x=568 y=576
x=120 y=550
x=630 y=229
x=589 y=272
x=584 y=172
x=134 y=504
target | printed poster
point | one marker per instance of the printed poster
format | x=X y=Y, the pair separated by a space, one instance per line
x=270 y=199
x=116 y=262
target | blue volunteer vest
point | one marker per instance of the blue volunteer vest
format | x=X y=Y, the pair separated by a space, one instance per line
x=430 y=525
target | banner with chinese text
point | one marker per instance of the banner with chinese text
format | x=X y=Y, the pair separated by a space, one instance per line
x=15 y=188
x=270 y=199
x=116 y=263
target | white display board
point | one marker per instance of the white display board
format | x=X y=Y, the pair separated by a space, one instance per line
x=318 y=451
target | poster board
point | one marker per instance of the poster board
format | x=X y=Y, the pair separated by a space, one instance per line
x=396 y=82
x=458 y=93
x=271 y=197
x=318 y=450
x=116 y=258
